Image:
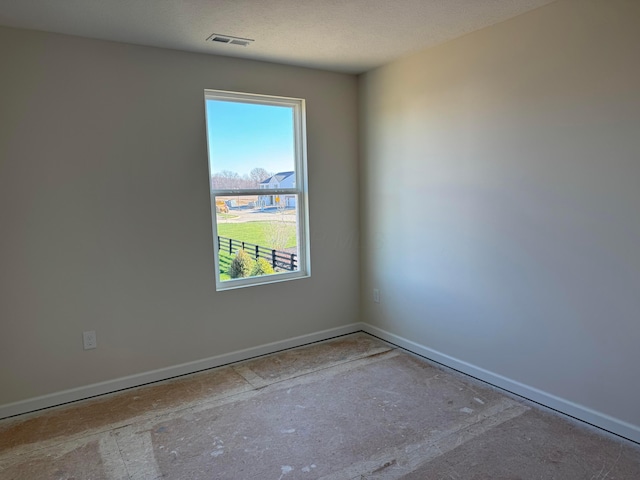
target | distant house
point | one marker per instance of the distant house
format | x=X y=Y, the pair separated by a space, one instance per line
x=279 y=180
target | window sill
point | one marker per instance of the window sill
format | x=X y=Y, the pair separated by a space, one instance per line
x=261 y=280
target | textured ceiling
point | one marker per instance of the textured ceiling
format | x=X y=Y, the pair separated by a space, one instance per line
x=342 y=35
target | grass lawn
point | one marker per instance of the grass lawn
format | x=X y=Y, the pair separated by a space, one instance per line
x=255 y=232
x=225 y=262
x=227 y=216
x=251 y=232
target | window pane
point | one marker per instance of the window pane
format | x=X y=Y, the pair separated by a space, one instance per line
x=257 y=148
x=264 y=228
x=248 y=142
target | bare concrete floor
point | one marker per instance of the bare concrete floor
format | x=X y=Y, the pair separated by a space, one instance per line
x=349 y=408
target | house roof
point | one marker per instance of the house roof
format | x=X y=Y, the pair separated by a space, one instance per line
x=279 y=177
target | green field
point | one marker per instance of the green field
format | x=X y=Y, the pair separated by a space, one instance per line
x=257 y=232
x=225 y=262
x=226 y=216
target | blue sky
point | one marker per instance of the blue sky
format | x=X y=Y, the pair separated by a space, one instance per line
x=243 y=136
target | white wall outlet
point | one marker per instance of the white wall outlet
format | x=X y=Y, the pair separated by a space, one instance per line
x=89 y=340
x=376 y=295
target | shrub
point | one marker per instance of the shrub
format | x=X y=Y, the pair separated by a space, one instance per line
x=262 y=267
x=241 y=265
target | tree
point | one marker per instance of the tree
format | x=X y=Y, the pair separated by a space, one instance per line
x=226 y=180
x=241 y=265
x=279 y=230
x=262 y=267
x=259 y=174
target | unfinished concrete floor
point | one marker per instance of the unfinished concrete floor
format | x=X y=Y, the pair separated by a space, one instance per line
x=349 y=408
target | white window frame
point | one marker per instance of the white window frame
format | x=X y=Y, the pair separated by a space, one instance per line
x=300 y=191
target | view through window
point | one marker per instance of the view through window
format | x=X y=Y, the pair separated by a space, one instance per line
x=258 y=187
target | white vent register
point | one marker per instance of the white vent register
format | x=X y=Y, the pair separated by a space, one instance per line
x=230 y=40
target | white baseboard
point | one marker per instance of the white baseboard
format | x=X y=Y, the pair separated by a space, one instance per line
x=80 y=393
x=580 y=412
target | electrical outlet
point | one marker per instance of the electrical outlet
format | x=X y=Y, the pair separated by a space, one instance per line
x=89 y=340
x=376 y=295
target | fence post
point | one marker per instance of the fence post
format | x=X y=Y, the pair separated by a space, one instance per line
x=273 y=259
x=293 y=262
x=230 y=247
x=257 y=252
x=219 y=246
x=243 y=245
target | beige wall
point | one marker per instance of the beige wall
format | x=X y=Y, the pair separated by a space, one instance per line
x=499 y=206
x=105 y=217
x=500 y=199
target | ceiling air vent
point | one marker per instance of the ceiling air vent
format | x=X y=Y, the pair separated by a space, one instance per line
x=230 y=40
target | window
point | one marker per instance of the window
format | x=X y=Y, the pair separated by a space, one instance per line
x=257 y=143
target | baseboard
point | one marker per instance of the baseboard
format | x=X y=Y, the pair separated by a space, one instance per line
x=580 y=412
x=577 y=411
x=80 y=393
